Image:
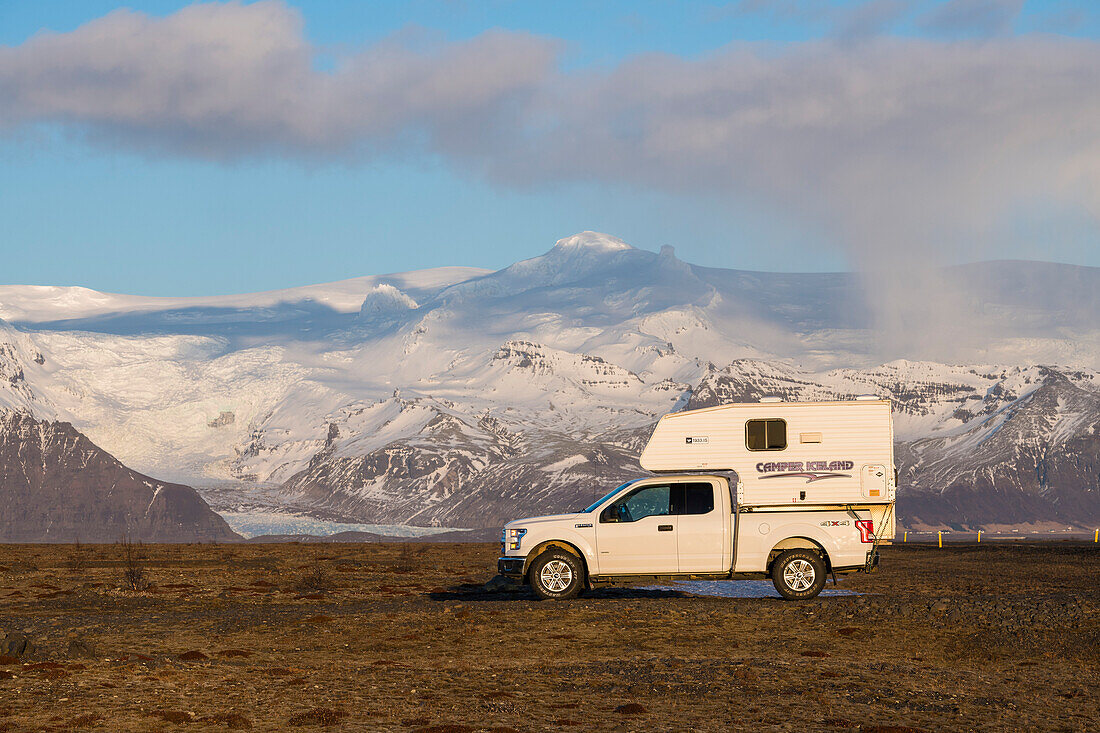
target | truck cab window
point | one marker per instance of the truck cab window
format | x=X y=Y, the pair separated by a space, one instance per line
x=770 y=434
x=692 y=498
x=698 y=499
x=648 y=501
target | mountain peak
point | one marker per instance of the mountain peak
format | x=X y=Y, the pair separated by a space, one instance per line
x=588 y=240
x=385 y=298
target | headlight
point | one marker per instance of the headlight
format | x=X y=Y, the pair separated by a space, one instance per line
x=513 y=538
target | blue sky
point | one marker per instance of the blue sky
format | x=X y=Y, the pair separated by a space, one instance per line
x=93 y=195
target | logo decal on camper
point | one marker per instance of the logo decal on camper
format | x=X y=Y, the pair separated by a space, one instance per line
x=697 y=440
x=809 y=470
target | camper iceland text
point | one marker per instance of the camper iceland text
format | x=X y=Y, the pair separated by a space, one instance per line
x=809 y=470
x=805 y=466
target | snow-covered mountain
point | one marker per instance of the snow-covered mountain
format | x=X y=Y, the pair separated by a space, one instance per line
x=460 y=397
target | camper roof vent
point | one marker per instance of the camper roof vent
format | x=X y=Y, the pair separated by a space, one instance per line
x=771 y=399
x=867 y=397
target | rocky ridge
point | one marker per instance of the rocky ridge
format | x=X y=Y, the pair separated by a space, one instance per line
x=57 y=486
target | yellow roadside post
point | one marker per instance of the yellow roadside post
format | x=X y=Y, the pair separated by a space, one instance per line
x=906 y=537
x=940 y=533
x=1096 y=537
x=979 y=537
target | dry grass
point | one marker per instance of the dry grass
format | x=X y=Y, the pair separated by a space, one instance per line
x=78 y=558
x=409 y=558
x=316 y=579
x=317 y=716
x=133 y=570
x=407 y=640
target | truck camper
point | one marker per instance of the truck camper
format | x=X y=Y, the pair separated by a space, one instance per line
x=791 y=491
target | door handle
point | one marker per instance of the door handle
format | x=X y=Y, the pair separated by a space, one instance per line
x=664 y=527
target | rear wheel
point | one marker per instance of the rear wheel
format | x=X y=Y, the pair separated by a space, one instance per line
x=556 y=574
x=798 y=574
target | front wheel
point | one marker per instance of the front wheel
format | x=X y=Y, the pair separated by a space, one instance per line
x=798 y=574
x=557 y=574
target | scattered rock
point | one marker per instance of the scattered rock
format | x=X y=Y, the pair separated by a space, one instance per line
x=446 y=728
x=279 y=671
x=234 y=721
x=318 y=716
x=192 y=656
x=173 y=716
x=80 y=648
x=16 y=645
x=87 y=720
x=813 y=653
x=234 y=653
x=631 y=708
x=501 y=584
x=42 y=665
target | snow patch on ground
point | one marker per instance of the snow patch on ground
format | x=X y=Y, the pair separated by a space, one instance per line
x=254 y=524
x=565 y=463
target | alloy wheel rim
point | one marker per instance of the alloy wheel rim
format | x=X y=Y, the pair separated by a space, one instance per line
x=799 y=575
x=556 y=576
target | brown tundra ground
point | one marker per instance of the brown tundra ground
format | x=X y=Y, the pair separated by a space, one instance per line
x=402 y=637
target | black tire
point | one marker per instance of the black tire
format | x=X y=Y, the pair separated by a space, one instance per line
x=798 y=574
x=557 y=575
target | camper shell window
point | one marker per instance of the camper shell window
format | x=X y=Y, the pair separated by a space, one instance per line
x=769 y=434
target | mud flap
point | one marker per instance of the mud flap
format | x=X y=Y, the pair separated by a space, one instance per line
x=872 y=562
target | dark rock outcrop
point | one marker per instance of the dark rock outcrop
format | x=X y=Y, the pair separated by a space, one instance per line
x=58 y=486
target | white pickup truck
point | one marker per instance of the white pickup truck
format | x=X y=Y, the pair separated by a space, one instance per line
x=813 y=482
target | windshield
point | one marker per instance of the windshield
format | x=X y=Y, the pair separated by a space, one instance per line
x=608 y=495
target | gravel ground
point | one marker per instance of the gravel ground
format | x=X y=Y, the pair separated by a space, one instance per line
x=403 y=637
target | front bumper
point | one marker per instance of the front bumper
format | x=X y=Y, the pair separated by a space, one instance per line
x=511 y=567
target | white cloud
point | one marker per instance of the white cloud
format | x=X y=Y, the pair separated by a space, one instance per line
x=896 y=148
x=226 y=80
